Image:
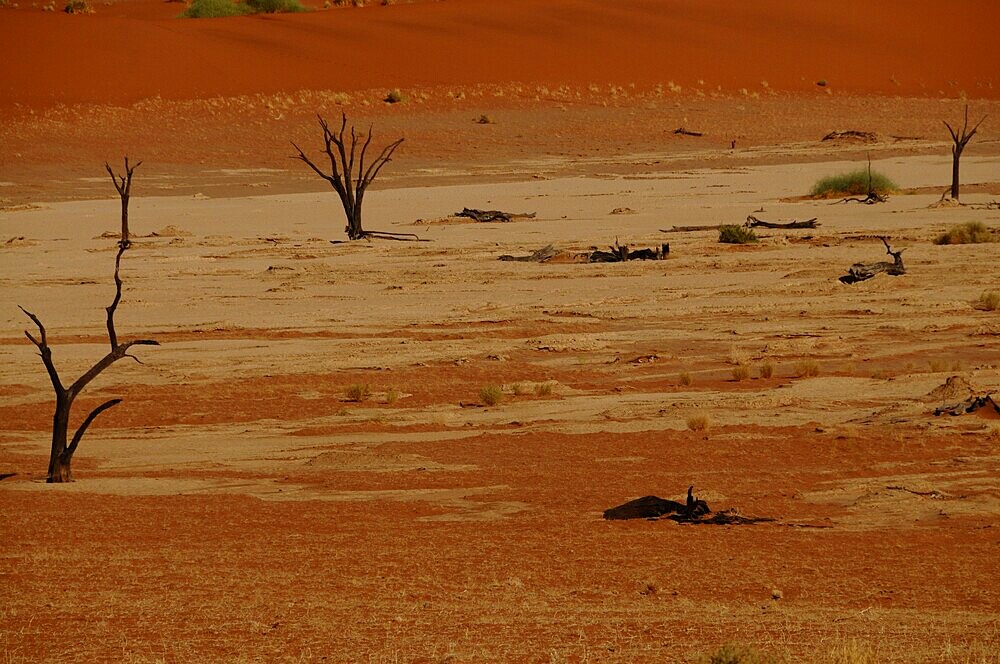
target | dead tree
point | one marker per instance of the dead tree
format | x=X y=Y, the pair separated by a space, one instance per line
x=123 y=183
x=62 y=451
x=961 y=139
x=864 y=271
x=754 y=222
x=872 y=197
x=351 y=185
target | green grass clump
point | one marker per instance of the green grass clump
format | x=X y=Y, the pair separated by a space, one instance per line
x=731 y=234
x=491 y=395
x=275 y=6
x=854 y=183
x=215 y=9
x=971 y=232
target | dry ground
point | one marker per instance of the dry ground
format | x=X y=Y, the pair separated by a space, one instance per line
x=237 y=507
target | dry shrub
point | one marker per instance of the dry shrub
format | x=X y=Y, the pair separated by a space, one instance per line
x=391 y=397
x=766 y=369
x=699 y=422
x=491 y=395
x=732 y=234
x=807 y=369
x=741 y=372
x=989 y=301
x=971 y=232
x=684 y=378
x=518 y=389
x=357 y=392
x=543 y=389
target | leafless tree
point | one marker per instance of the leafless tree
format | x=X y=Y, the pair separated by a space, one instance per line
x=63 y=448
x=343 y=152
x=961 y=139
x=123 y=183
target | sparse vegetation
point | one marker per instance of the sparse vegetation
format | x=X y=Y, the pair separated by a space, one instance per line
x=357 y=392
x=491 y=395
x=989 y=301
x=734 y=654
x=807 y=369
x=391 y=397
x=766 y=369
x=78 y=7
x=215 y=9
x=543 y=389
x=741 y=372
x=732 y=234
x=275 y=6
x=518 y=389
x=699 y=422
x=854 y=183
x=971 y=232
x=684 y=378
x=395 y=96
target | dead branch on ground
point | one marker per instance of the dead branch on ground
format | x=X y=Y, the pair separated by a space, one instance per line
x=754 y=222
x=864 y=271
x=486 y=216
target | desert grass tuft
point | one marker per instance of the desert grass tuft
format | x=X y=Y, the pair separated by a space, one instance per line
x=989 y=301
x=807 y=369
x=357 y=392
x=275 y=6
x=971 y=232
x=519 y=389
x=741 y=372
x=391 y=397
x=854 y=183
x=732 y=234
x=699 y=422
x=395 y=96
x=491 y=395
x=766 y=369
x=543 y=389
x=684 y=378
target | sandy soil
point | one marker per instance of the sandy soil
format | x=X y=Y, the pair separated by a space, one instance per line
x=239 y=507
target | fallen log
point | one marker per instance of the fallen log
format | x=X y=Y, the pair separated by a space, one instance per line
x=620 y=253
x=685 y=229
x=653 y=507
x=486 y=216
x=864 y=271
x=872 y=198
x=754 y=222
x=970 y=405
x=852 y=134
x=681 y=131
x=539 y=256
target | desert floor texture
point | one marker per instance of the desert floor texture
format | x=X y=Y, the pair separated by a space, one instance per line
x=240 y=506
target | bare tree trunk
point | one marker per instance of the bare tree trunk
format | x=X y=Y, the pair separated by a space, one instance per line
x=59 y=469
x=961 y=139
x=350 y=184
x=123 y=183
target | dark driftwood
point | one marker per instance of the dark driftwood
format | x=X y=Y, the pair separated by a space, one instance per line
x=652 y=507
x=61 y=454
x=681 y=131
x=620 y=253
x=970 y=405
x=864 y=271
x=539 y=256
x=754 y=222
x=351 y=186
x=493 y=215
x=685 y=229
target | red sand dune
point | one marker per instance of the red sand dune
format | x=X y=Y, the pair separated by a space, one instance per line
x=136 y=49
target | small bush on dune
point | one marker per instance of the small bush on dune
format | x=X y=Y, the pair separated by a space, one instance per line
x=971 y=232
x=275 y=6
x=736 y=235
x=491 y=395
x=543 y=389
x=357 y=392
x=854 y=183
x=699 y=422
x=741 y=372
x=214 y=9
x=78 y=7
x=767 y=369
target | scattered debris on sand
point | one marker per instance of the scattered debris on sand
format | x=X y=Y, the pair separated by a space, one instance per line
x=617 y=253
x=852 y=135
x=864 y=271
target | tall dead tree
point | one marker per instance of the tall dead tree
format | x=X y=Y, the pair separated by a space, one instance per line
x=123 y=183
x=63 y=448
x=351 y=185
x=961 y=139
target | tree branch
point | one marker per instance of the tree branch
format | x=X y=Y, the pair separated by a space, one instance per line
x=44 y=350
x=86 y=423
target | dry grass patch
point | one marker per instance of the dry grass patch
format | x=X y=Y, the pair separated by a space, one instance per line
x=490 y=395
x=989 y=301
x=699 y=422
x=971 y=232
x=741 y=372
x=543 y=389
x=357 y=392
x=766 y=369
x=807 y=369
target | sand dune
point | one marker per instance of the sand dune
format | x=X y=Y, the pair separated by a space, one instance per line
x=136 y=49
